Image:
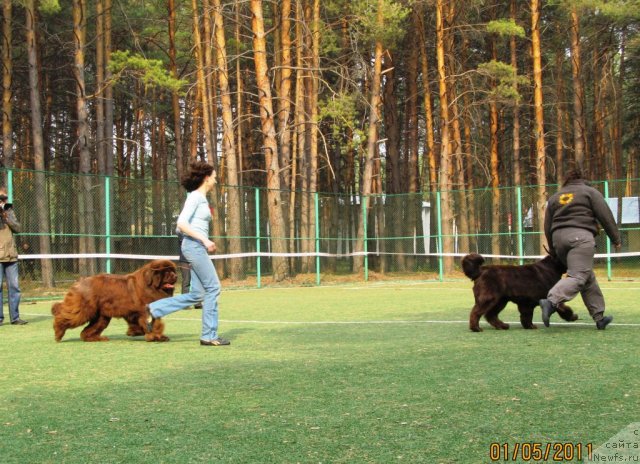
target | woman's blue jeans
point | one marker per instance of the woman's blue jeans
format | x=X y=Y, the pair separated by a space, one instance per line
x=205 y=289
x=11 y=271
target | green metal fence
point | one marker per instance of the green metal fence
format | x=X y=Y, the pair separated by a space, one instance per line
x=76 y=225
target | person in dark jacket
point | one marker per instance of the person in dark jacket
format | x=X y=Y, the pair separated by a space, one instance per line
x=572 y=220
x=9 y=226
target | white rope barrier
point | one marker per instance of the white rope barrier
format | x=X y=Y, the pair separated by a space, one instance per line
x=295 y=255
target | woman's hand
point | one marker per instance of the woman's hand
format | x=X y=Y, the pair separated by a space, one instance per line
x=210 y=246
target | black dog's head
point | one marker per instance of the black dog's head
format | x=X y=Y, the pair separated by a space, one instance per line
x=554 y=263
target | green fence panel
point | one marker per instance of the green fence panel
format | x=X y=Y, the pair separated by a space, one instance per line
x=112 y=224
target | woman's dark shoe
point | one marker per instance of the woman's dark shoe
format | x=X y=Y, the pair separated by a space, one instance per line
x=19 y=322
x=215 y=342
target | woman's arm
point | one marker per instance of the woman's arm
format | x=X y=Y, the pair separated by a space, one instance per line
x=186 y=229
x=184 y=226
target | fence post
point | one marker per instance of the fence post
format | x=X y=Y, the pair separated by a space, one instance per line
x=441 y=257
x=258 y=277
x=519 y=219
x=366 y=234
x=607 y=241
x=317 y=221
x=10 y=185
x=107 y=221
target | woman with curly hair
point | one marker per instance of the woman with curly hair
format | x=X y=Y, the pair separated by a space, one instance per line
x=193 y=224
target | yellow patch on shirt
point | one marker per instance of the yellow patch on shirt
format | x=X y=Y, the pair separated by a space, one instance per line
x=566 y=198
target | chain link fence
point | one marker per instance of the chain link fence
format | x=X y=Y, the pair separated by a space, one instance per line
x=77 y=225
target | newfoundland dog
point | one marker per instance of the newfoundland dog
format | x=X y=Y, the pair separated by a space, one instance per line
x=495 y=285
x=98 y=298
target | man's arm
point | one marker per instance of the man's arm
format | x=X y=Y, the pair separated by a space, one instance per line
x=9 y=217
x=605 y=217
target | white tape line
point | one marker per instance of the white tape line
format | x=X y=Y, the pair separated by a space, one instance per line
x=400 y=322
x=294 y=255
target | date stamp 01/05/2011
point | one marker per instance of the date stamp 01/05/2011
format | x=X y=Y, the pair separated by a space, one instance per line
x=531 y=451
x=623 y=447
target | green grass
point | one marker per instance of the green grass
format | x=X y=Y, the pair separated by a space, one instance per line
x=316 y=375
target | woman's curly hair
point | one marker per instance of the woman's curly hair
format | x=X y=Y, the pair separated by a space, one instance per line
x=193 y=179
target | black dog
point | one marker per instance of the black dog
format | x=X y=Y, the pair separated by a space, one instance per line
x=495 y=285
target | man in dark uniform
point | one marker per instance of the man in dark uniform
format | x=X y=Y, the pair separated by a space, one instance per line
x=570 y=226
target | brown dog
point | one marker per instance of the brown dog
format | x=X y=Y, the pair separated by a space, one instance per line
x=495 y=285
x=98 y=298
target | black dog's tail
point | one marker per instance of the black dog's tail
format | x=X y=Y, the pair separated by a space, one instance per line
x=471 y=265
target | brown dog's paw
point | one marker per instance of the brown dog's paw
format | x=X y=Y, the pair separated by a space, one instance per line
x=152 y=337
x=135 y=331
x=476 y=329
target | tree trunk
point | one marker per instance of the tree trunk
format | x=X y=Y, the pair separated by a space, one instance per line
x=597 y=160
x=460 y=161
x=392 y=128
x=517 y=175
x=539 y=117
x=579 y=131
x=108 y=93
x=203 y=62
x=274 y=203
x=284 y=93
x=99 y=100
x=7 y=75
x=469 y=154
x=430 y=159
x=302 y=114
x=202 y=86
x=372 y=141
x=42 y=203
x=619 y=114
x=313 y=124
x=209 y=77
x=444 y=182
x=85 y=207
x=175 y=98
x=300 y=178
x=239 y=87
x=494 y=163
x=394 y=172
x=560 y=117
x=229 y=147
x=413 y=209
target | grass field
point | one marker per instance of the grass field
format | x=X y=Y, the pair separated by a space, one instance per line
x=348 y=374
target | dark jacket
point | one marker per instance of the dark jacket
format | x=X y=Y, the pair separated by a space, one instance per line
x=577 y=204
x=8 y=226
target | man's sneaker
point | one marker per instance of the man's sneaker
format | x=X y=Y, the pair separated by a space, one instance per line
x=547 y=310
x=604 y=322
x=19 y=322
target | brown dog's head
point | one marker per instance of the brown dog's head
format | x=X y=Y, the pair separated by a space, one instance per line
x=160 y=274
